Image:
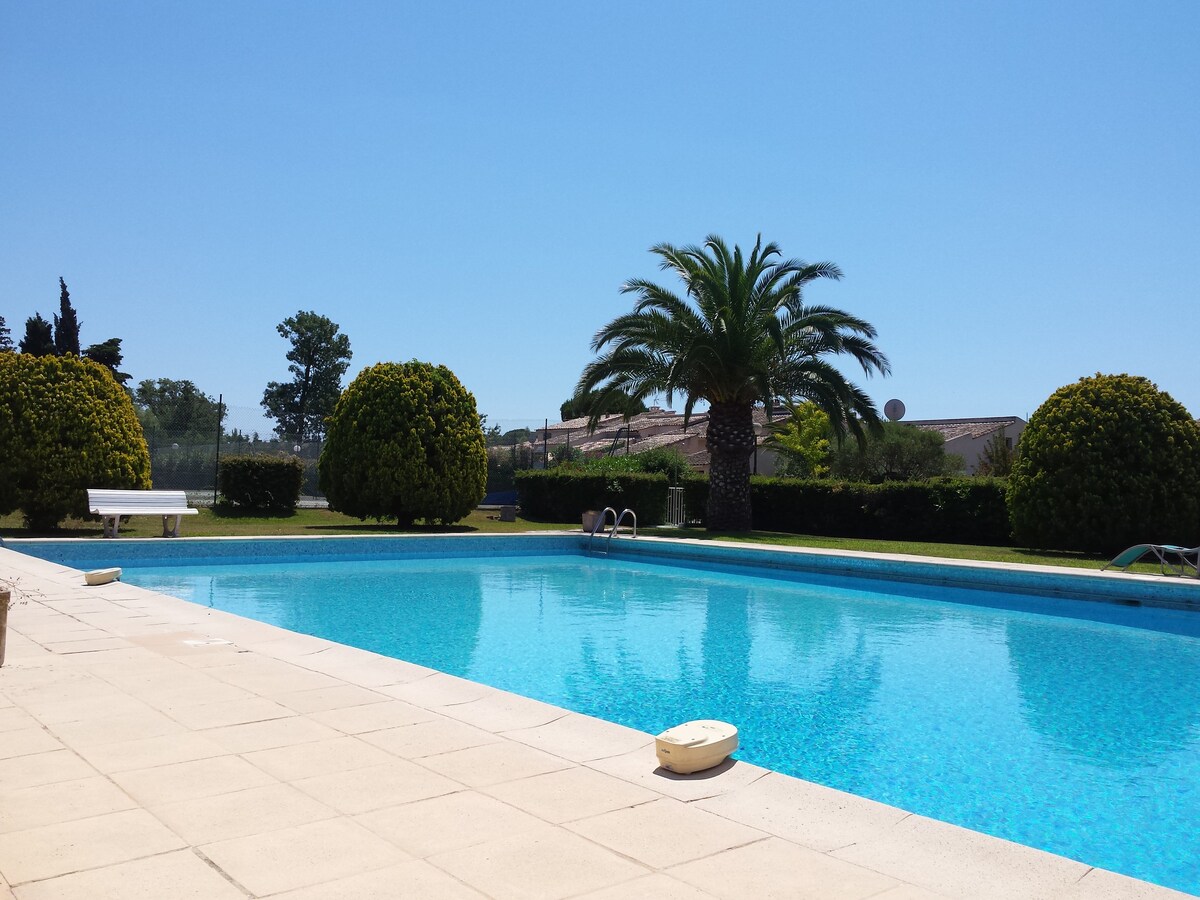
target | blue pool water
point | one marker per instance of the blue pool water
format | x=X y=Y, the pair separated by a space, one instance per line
x=1069 y=726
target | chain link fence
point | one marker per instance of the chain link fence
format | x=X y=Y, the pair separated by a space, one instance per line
x=188 y=439
x=188 y=442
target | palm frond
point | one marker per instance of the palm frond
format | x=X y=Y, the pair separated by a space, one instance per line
x=737 y=332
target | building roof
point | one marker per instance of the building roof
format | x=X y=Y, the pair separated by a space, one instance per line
x=951 y=429
x=654 y=417
x=655 y=441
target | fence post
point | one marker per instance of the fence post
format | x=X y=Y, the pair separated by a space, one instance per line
x=217 y=462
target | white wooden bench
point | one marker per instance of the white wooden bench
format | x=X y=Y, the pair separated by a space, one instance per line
x=110 y=505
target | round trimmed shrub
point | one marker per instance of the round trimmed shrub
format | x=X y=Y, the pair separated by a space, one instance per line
x=1105 y=463
x=65 y=426
x=405 y=443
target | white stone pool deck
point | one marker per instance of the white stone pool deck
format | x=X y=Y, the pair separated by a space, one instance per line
x=154 y=748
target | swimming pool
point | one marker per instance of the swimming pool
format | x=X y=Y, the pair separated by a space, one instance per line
x=1074 y=727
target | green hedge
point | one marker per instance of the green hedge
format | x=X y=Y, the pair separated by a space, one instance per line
x=955 y=510
x=262 y=482
x=561 y=495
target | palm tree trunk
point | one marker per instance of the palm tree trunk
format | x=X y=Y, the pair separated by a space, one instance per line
x=730 y=441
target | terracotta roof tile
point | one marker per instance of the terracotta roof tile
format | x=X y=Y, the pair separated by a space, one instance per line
x=975 y=428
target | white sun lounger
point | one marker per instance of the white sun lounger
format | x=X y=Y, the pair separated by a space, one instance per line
x=1184 y=557
x=110 y=505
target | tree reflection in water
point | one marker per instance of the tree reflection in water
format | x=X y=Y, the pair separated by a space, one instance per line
x=1109 y=696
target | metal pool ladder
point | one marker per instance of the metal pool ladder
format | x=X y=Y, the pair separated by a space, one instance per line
x=617 y=520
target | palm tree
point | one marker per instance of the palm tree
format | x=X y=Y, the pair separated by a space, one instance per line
x=743 y=336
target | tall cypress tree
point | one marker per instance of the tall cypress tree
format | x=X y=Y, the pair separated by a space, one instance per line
x=66 y=323
x=38 y=340
x=6 y=344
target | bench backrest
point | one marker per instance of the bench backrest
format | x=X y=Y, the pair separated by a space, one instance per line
x=147 y=500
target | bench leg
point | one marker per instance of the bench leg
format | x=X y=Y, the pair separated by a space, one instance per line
x=171 y=532
x=110 y=525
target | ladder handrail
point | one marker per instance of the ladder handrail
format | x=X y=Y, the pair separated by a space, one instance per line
x=617 y=524
x=599 y=523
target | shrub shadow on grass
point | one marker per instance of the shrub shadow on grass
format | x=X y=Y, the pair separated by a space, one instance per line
x=56 y=533
x=229 y=511
x=387 y=528
x=1059 y=554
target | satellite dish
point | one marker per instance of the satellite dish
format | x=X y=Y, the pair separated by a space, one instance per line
x=894 y=410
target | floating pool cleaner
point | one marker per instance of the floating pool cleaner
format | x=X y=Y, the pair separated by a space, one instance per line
x=101 y=576
x=695 y=746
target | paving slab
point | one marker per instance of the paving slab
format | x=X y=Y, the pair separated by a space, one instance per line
x=335 y=754
x=42 y=768
x=116 y=727
x=1099 y=884
x=437 y=690
x=985 y=867
x=415 y=880
x=14 y=719
x=438 y=735
x=63 y=801
x=580 y=738
x=570 y=794
x=268 y=677
x=126 y=756
x=190 y=691
x=231 y=712
x=502 y=711
x=373 y=716
x=908 y=892
x=189 y=780
x=180 y=875
x=204 y=820
x=775 y=869
x=340 y=696
x=545 y=864
x=289 y=731
x=362 y=790
x=88 y=645
x=24 y=741
x=494 y=763
x=52 y=850
x=810 y=814
x=304 y=855
x=449 y=822
x=664 y=832
x=649 y=887
x=365 y=669
x=82 y=701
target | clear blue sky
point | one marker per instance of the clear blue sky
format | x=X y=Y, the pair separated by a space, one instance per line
x=1012 y=189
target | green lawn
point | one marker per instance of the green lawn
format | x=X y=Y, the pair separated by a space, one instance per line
x=913 y=548
x=234 y=523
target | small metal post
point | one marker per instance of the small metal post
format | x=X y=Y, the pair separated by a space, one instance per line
x=217 y=462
